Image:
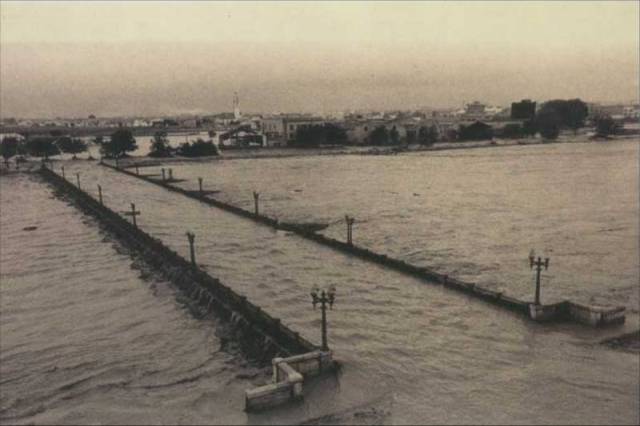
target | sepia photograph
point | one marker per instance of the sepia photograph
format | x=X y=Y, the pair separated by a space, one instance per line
x=320 y=212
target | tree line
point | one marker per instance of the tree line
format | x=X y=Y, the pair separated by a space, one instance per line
x=117 y=145
x=548 y=121
x=41 y=146
x=160 y=147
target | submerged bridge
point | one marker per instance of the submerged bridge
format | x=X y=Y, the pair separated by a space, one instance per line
x=559 y=312
x=261 y=336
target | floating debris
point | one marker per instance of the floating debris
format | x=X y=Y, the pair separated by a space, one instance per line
x=29 y=228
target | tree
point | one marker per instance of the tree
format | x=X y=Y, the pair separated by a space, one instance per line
x=122 y=141
x=523 y=110
x=529 y=128
x=42 y=146
x=428 y=135
x=575 y=114
x=605 y=126
x=571 y=113
x=160 y=145
x=411 y=136
x=432 y=134
x=423 y=135
x=9 y=148
x=71 y=145
x=199 y=148
x=315 y=135
x=512 y=130
x=379 y=136
x=394 y=136
x=335 y=135
x=548 y=123
x=310 y=136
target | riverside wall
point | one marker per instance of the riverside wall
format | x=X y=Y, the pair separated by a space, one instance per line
x=260 y=335
x=564 y=311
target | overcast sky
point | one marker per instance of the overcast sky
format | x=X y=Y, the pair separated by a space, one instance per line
x=148 y=58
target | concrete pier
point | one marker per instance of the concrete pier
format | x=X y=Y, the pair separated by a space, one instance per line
x=569 y=311
x=565 y=311
x=288 y=379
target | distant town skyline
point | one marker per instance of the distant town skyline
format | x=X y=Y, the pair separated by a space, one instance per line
x=72 y=59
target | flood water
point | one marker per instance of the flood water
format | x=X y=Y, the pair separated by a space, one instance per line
x=86 y=338
x=474 y=214
x=434 y=355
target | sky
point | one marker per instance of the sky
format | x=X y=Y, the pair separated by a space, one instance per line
x=72 y=59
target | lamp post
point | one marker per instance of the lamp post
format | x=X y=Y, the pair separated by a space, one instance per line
x=538 y=263
x=256 y=197
x=323 y=297
x=192 y=251
x=133 y=213
x=349 y=221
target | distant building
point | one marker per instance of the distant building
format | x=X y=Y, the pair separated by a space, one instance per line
x=273 y=129
x=359 y=133
x=141 y=123
x=616 y=111
x=475 y=109
x=224 y=119
x=16 y=136
x=282 y=130
x=632 y=111
x=190 y=122
x=242 y=137
x=475 y=131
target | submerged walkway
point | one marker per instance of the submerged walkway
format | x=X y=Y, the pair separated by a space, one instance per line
x=562 y=311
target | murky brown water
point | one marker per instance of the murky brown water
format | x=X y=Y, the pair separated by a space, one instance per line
x=84 y=338
x=439 y=356
x=474 y=214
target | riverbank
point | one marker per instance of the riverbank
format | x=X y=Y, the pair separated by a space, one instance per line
x=410 y=149
x=289 y=152
x=270 y=153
